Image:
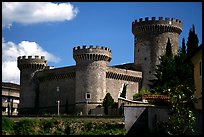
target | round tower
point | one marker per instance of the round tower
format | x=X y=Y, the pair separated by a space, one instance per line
x=91 y=64
x=28 y=66
x=150 y=40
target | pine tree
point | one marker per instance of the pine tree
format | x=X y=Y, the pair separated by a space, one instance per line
x=192 y=43
x=168 y=48
x=183 y=50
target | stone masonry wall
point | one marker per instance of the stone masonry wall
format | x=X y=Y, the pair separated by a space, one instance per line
x=150 y=40
x=114 y=87
x=49 y=80
x=48 y=94
x=116 y=78
x=28 y=66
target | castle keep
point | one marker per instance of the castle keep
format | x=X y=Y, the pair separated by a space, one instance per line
x=82 y=87
x=150 y=39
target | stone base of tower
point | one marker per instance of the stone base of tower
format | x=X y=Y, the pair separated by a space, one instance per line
x=85 y=108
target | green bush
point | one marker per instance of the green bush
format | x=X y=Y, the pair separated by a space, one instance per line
x=138 y=96
x=54 y=127
x=57 y=126
x=100 y=128
x=108 y=102
x=27 y=127
x=7 y=125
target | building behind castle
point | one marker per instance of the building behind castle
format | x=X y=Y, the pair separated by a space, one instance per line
x=82 y=87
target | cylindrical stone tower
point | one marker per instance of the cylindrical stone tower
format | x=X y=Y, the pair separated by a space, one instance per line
x=91 y=64
x=150 y=40
x=28 y=66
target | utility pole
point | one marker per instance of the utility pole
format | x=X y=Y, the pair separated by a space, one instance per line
x=58 y=107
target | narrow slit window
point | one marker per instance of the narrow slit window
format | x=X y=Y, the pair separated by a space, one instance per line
x=200 y=68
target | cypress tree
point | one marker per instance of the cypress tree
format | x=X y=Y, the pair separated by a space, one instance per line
x=107 y=102
x=192 y=43
x=183 y=47
x=123 y=94
x=168 y=48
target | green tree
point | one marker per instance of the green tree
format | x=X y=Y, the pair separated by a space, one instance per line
x=108 y=102
x=184 y=71
x=183 y=50
x=172 y=71
x=168 y=48
x=192 y=42
x=181 y=117
x=123 y=94
x=165 y=75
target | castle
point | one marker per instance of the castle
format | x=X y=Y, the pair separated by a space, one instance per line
x=83 y=87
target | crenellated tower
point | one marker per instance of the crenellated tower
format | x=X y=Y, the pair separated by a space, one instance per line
x=150 y=39
x=91 y=65
x=28 y=66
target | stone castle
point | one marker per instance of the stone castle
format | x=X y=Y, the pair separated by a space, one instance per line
x=82 y=87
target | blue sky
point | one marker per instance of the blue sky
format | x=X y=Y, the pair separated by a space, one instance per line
x=95 y=23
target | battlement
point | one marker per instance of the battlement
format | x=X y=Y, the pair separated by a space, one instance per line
x=92 y=53
x=31 y=58
x=91 y=47
x=35 y=62
x=160 y=24
x=160 y=19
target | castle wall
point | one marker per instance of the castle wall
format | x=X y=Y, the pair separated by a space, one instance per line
x=115 y=87
x=49 y=81
x=84 y=86
x=27 y=95
x=148 y=50
x=116 y=78
x=49 y=95
x=150 y=40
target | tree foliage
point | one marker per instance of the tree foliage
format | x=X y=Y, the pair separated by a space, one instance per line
x=168 y=48
x=181 y=117
x=165 y=75
x=107 y=102
x=138 y=96
x=175 y=78
x=123 y=94
x=183 y=50
x=192 y=43
x=172 y=71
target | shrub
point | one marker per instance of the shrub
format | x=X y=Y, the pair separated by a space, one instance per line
x=27 y=127
x=138 y=96
x=107 y=102
x=56 y=126
x=7 y=125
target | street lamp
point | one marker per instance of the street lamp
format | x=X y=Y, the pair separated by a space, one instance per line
x=58 y=102
x=86 y=106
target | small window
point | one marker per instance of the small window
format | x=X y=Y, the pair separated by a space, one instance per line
x=138 y=50
x=200 y=68
x=88 y=95
x=145 y=58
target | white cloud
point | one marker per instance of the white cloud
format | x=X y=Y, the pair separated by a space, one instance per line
x=10 y=52
x=36 y=12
